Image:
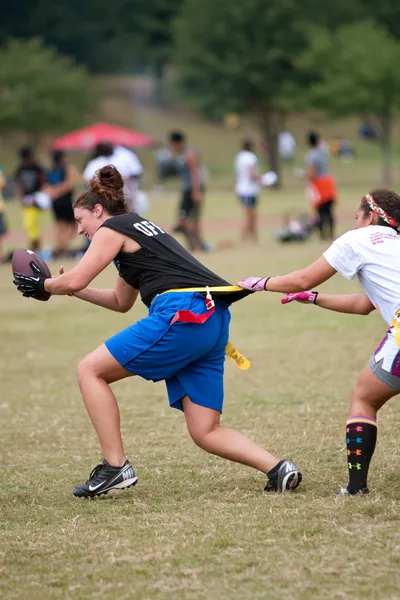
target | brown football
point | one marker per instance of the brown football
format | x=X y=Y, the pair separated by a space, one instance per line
x=20 y=264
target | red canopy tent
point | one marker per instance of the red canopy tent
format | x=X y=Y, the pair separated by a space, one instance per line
x=88 y=137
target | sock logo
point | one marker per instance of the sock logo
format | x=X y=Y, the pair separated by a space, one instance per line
x=358 y=429
x=356 y=466
x=356 y=452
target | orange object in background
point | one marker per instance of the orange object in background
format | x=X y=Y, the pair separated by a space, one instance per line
x=324 y=189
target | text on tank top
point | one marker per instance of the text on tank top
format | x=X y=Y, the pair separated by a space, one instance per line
x=162 y=263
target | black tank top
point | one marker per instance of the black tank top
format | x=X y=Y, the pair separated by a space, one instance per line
x=161 y=263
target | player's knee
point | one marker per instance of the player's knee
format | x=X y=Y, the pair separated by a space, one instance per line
x=200 y=435
x=360 y=396
x=85 y=369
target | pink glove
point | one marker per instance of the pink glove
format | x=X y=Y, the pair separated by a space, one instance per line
x=254 y=284
x=303 y=297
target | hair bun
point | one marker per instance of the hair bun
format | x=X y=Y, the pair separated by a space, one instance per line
x=107 y=180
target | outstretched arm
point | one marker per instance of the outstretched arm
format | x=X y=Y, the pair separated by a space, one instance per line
x=103 y=249
x=355 y=304
x=305 y=279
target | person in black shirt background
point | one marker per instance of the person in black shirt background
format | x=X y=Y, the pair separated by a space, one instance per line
x=182 y=341
x=62 y=177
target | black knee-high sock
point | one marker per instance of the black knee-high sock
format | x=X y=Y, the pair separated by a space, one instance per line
x=360 y=440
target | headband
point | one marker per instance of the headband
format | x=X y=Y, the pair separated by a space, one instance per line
x=380 y=212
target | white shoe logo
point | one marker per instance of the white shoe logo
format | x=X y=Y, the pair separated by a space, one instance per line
x=92 y=488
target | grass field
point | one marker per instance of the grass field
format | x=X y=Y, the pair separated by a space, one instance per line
x=195 y=526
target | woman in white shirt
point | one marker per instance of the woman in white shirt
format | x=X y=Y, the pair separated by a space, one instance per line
x=248 y=188
x=372 y=252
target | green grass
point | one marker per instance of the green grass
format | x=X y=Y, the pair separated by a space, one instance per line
x=195 y=526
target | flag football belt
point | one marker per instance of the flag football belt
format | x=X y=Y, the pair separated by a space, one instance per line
x=396 y=326
x=187 y=316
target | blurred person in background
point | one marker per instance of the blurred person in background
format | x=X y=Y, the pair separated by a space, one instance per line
x=128 y=164
x=287 y=146
x=29 y=179
x=3 y=223
x=100 y=158
x=62 y=179
x=192 y=200
x=248 y=188
x=321 y=185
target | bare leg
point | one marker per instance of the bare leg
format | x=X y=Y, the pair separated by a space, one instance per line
x=245 y=228
x=369 y=395
x=204 y=427
x=35 y=245
x=95 y=372
x=64 y=233
x=252 y=222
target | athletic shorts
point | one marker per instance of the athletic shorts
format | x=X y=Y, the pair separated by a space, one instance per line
x=3 y=224
x=31 y=221
x=385 y=363
x=188 y=356
x=63 y=211
x=188 y=207
x=248 y=201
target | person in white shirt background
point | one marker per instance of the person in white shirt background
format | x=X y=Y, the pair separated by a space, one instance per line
x=287 y=146
x=248 y=188
x=123 y=159
x=128 y=164
x=371 y=251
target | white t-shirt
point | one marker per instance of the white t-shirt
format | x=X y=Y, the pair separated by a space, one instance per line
x=94 y=165
x=127 y=162
x=123 y=159
x=373 y=254
x=286 y=145
x=245 y=162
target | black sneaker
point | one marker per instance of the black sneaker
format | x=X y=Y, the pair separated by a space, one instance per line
x=345 y=492
x=104 y=478
x=285 y=478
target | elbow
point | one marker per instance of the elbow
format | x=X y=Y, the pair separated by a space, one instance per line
x=368 y=310
x=124 y=309
x=75 y=286
x=303 y=284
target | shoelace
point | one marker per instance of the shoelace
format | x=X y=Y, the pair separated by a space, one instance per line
x=95 y=471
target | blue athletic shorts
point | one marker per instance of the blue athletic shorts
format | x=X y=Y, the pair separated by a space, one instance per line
x=188 y=356
x=248 y=201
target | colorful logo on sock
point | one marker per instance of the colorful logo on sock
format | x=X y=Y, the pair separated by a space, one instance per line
x=358 y=429
x=356 y=452
x=356 y=466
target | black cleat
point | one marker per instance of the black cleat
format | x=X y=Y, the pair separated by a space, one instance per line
x=104 y=478
x=345 y=492
x=285 y=479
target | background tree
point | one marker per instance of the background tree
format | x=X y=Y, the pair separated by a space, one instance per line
x=41 y=91
x=355 y=72
x=233 y=56
x=121 y=36
x=242 y=56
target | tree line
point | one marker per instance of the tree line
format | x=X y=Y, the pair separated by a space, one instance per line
x=263 y=58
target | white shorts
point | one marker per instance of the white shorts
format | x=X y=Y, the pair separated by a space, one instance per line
x=385 y=362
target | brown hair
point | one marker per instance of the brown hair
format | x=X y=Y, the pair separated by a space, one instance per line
x=105 y=188
x=388 y=201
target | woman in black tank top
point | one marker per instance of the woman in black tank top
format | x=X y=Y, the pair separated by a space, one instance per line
x=182 y=341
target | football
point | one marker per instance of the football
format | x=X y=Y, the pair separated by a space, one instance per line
x=20 y=264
